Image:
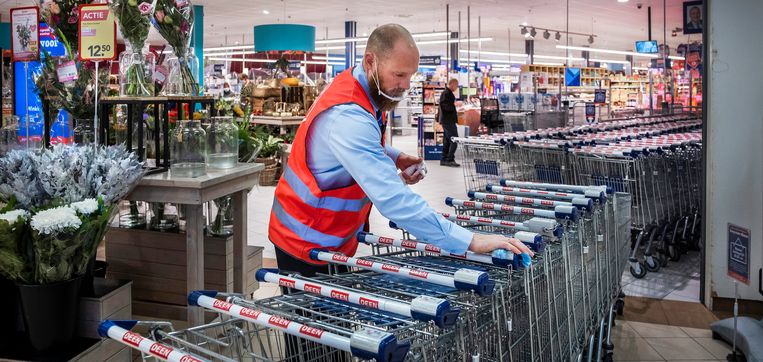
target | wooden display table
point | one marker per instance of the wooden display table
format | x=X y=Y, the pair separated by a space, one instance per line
x=192 y=194
x=281 y=122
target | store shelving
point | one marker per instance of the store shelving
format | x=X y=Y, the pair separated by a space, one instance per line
x=550 y=76
x=628 y=92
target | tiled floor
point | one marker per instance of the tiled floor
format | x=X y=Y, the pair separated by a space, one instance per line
x=634 y=341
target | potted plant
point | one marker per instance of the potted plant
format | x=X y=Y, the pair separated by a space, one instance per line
x=268 y=147
x=58 y=203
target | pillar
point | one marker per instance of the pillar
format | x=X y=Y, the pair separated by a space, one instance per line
x=350 y=48
x=197 y=40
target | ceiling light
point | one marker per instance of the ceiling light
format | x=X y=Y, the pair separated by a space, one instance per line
x=607 y=51
x=609 y=61
x=524 y=31
x=554 y=57
x=546 y=63
x=524 y=23
x=474 y=52
x=250 y=46
x=622 y=1
x=546 y=34
x=533 y=32
x=266 y=12
x=557 y=36
x=590 y=39
x=452 y=41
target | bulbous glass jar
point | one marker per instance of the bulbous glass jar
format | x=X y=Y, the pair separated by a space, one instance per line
x=183 y=76
x=83 y=132
x=188 y=150
x=9 y=135
x=222 y=143
x=30 y=131
x=135 y=74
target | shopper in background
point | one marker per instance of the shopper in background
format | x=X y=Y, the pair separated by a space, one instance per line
x=226 y=90
x=448 y=120
x=247 y=89
x=340 y=164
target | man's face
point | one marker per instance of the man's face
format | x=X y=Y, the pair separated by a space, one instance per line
x=694 y=14
x=453 y=86
x=391 y=73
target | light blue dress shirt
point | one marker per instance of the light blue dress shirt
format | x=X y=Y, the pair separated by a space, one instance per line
x=343 y=144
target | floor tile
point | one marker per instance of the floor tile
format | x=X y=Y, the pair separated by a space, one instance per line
x=698 y=333
x=719 y=349
x=623 y=329
x=648 y=330
x=634 y=349
x=679 y=349
x=680 y=297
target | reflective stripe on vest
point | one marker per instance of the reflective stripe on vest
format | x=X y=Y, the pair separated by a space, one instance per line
x=315 y=236
x=326 y=202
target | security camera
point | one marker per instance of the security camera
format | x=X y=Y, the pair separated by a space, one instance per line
x=639 y=5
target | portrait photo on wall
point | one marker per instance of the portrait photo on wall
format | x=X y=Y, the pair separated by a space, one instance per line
x=693 y=17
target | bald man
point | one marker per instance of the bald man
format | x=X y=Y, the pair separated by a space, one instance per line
x=340 y=165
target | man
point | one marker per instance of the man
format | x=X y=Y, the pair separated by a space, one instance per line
x=339 y=165
x=448 y=120
x=695 y=19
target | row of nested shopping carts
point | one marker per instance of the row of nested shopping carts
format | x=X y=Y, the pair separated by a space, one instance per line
x=411 y=300
x=657 y=160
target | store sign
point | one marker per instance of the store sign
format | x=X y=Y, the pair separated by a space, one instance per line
x=430 y=60
x=600 y=96
x=25 y=34
x=738 y=263
x=590 y=111
x=97 y=33
x=572 y=77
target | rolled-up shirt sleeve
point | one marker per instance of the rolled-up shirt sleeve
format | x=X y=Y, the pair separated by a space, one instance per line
x=355 y=143
x=392 y=153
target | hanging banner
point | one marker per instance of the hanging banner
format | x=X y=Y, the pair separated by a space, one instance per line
x=25 y=34
x=97 y=33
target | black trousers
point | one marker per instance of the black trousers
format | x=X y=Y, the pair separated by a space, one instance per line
x=449 y=147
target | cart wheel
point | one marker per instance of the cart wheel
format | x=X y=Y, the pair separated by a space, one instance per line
x=653 y=267
x=638 y=274
x=620 y=306
x=664 y=259
x=608 y=357
x=674 y=252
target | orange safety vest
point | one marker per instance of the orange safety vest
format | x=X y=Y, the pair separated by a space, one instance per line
x=303 y=216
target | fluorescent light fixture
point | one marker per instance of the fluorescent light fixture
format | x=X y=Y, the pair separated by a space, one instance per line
x=474 y=52
x=452 y=41
x=610 y=61
x=251 y=46
x=640 y=68
x=227 y=54
x=493 y=61
x=622 y=1
x=546 y=63
x=607 y=51
x=320 y=63
x=427 y=66
x=266 y=12
x=333 y=48
x=555 y=57
x=243 y=60
x=674 y=57
x=365 y=38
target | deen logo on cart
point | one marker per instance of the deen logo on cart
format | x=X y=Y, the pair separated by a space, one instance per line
x=365 y=263
x=340 y=257
x=419 y=274
x=160 y=350
x=287 y=283
x=392 y=268
x=340 y=295
x=189 y=359
x=311 y=331
x=311 y=288
x=432 y=248
x=249 y=313
x=279 y=322
x=219 y=304
x=386 y=241
x=132 y=338
x=409 y=244
x=369 y=303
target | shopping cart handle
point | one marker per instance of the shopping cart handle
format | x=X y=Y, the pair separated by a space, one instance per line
x=262 y=272
x=386 y=348
x=532 y=240
x=393 y=225
x=449 y=201
x=104 y=326
x=583 y=203
x=566 y=212
x=193 y=297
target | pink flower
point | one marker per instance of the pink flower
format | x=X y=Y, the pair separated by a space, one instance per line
x=159 y=15
x=184 y=27
x=72 y=20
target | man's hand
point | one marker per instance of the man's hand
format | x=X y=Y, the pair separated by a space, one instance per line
x=405 y=161
x=486 y=243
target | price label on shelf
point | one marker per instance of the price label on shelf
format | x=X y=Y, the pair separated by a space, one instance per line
x=97 y=33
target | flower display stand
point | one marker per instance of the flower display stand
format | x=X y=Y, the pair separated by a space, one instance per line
x=191 y=194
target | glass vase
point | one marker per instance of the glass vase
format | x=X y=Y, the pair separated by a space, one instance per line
x=164 y=217
x=222 y=224
x=183 y=76
x=9 y=135
x=83 y=132
x=132 y=215
x=222 y=143
x=30 y=131
x=188 y=150
x=135 y=74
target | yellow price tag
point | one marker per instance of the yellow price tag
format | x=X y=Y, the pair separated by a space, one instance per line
x=97 y=33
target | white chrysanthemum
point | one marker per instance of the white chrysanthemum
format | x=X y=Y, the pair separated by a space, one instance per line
x=13 y=215
x=55 y=220
x=85 y=207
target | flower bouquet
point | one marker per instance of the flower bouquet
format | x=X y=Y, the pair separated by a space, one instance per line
x=135 y=68
x=58 y=205
x=174 y=21
x=76 y=93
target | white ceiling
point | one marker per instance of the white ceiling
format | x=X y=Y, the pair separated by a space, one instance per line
x=616 y=25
